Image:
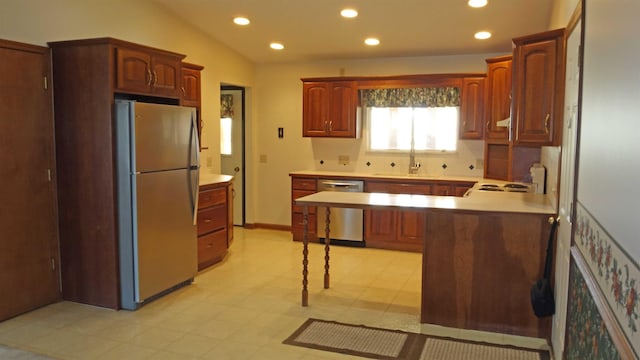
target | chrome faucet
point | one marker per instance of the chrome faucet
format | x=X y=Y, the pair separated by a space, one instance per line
x=414 y=166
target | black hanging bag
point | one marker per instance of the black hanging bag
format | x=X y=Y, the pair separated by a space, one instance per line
x=541 y=292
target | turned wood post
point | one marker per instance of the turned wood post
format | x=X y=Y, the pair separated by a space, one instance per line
x=305 y=253
x=327 y=241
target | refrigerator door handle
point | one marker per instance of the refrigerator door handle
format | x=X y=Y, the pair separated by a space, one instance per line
x=194 y=151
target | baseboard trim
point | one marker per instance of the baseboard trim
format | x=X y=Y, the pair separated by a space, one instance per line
x=267 y=226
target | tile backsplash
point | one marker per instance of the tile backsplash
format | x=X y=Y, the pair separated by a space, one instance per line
x=329 y=155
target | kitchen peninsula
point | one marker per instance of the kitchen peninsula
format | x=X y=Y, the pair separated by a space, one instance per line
x=481 y=254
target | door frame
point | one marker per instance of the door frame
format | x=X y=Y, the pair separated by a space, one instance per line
x=242 y=186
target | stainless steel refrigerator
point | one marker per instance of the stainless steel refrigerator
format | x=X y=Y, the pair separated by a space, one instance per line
x=158 y=168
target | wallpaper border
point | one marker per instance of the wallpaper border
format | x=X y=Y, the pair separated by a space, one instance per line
x=615 y=273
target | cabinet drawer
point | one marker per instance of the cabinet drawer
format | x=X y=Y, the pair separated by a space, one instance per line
x=303 y=184
x=211 y=248
x=211 y=197
x=211 y=219
x=298 y=194
x=398 y=188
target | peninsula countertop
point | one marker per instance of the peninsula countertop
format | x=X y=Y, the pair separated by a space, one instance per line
x=475 y=201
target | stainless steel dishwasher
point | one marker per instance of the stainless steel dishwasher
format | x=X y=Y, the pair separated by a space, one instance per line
x=345 y=226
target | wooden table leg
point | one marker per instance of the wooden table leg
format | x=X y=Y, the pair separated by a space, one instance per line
x=327 y=241
x=305 y=255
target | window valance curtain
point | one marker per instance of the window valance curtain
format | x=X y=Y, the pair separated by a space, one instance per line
x=411 y=97
x=226 y=106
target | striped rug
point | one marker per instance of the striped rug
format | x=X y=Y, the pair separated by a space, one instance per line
x=378 y=343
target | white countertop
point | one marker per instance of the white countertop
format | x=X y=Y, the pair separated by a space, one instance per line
x=476 y=201
x=389 y=175
x=208 y=179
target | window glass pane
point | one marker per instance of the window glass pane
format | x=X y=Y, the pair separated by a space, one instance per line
x=225 y=136
x=433 y=129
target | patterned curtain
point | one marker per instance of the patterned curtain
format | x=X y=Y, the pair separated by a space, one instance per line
x=411 y=97
x=226 y=106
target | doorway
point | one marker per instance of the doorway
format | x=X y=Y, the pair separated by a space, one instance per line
x=232 y=157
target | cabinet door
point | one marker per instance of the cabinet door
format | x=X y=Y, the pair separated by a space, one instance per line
x=380 y=225
x=190 y=87
x=443 y=189
x=166 y=76
x=342 y=109
x=315 y=106
x=498 y=97
x=472 y=108
x=133 y=71
x=537 y=68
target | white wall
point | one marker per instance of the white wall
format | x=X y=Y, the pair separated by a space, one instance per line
x=279 y=104
x=609 y=170
x=140 y=21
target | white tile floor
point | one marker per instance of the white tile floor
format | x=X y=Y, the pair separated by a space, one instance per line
x=244 y=307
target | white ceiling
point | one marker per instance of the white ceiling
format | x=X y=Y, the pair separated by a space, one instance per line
x=314 y=30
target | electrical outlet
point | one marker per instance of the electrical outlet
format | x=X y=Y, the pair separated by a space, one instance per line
x=263 y=159
x=209 y=161
x=343 y=159
x=479 y=163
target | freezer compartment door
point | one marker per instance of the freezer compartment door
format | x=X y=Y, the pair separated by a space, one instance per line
x=163 y=137
x=166 y=236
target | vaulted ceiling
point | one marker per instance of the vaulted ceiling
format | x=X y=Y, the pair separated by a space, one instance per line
x=314 y=30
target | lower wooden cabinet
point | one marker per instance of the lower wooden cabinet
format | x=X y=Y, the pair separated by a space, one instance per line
x=214 y=224
x=302 y=186
x=391 y=229
x=384 y=229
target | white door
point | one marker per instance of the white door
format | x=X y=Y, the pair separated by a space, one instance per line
x=232 y=164
x=567 y=184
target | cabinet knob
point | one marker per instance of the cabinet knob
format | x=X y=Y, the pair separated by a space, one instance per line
x=207 y=220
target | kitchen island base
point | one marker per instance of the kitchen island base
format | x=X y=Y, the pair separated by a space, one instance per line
x=478 y=261
x=478 y=269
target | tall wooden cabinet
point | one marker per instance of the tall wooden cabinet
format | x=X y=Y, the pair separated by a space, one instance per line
x=88 y=75
x=329 y=109
x=535 y=75
x=538 y=88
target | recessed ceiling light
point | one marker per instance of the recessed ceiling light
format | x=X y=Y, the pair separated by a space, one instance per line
x=276 y=46
x=482 y=35
x=477 y=3
x=372 y=41
x=349 y=13
x=241 y=21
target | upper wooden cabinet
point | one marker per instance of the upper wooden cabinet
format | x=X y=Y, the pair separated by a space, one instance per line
x=329 y=109
x=498 y=97
x=190 y=90
x=191 y=84
x=538 y=88
x=144 y=71
x=471 y=108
